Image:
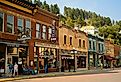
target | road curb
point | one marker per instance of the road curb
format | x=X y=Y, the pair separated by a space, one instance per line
x=56 y=75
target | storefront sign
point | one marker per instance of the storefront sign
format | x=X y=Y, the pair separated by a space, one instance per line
x=53 y=35
x=64 y=57
x=46 y=45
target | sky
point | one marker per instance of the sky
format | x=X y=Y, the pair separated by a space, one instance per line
x=108 y=8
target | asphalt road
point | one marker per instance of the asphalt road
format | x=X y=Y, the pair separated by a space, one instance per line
x=114 y=76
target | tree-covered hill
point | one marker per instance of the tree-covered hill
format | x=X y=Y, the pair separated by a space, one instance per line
x=78 y=17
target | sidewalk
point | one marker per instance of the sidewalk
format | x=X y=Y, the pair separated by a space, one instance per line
x=55 y=74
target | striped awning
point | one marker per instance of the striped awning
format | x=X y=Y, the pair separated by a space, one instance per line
x=67 y=57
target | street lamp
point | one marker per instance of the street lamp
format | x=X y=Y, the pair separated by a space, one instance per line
x=74 y=52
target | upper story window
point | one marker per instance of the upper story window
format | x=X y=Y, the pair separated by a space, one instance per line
x=1 y=21
x=38 y=33
x=44 y=31
x=49 y=33
x=94 y=47
x=28 y=27
x=83 y=43
x=10 y=24
x=20 y=25
x=70 y=40
x=90 y=44
x=102 y=47
x=99 y=46
x=79 y=42
x=64 y=39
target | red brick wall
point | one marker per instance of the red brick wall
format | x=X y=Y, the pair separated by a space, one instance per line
x=116 y=50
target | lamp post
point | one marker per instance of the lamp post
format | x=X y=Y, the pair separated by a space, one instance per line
x=74 y=51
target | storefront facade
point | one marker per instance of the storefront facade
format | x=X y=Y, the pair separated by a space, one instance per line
x=70 y=39
x=25 y=32
x=44 y=45
x=117 y=55
x=109 y=56
x=96 y=50
x=13 y=21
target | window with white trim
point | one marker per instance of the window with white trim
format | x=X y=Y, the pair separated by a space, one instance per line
x=49 y=33
x=10 y=23
x=38 y=30
x=28 y=27
x=44 y=32
x=20 y=25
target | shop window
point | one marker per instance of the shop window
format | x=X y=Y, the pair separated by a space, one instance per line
x=20 y=25
x=81 y=62
x=83 y=43
x=64 y=39
x=44 y=31
x=38 y=30
x=49 y=33
x=79 y=42
x=10 y=24
x=47 y=56
x=28 y=27
x=70 y=40
x=1 y=21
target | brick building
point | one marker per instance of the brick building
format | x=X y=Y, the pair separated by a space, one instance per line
x=109 y=53
x=28 y=34
x=70 y=39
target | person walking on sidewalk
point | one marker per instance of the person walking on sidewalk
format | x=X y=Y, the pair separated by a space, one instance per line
x=15 y=69
x=11 y=69
x=69 y=66
x=101 y=65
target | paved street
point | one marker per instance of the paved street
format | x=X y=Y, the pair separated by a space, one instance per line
x=114 y=76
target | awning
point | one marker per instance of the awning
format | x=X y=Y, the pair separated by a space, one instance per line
x=67 y=57
x=13 y=44
x=108 y=57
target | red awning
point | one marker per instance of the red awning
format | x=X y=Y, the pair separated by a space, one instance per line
x=108 y=57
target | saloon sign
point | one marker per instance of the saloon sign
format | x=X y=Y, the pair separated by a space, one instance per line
x=53 y=35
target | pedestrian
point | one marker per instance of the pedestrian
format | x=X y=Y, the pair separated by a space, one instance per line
x=113 y=65
x=11 y=68
x=69 y=66
x=101 y=65
x=15 y=69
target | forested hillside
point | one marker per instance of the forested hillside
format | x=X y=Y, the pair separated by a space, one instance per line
x=78 y=17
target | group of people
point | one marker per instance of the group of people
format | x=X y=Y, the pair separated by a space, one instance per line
x=13 y=69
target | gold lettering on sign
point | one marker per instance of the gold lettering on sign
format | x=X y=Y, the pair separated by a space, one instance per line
x=46 y=45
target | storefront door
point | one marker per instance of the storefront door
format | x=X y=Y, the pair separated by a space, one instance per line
x=2 y=58
x=14 y=59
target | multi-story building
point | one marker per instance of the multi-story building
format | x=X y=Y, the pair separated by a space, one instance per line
x=28 y=36
x=96 y=50
x=70 y=39
x=109 y=53
x=117 y=54
x=95 y=47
